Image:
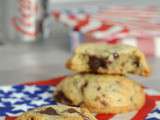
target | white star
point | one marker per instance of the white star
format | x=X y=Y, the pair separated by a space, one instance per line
x=1 y=95
x=23 y=107
x=19 y=95
x=30 y=89
x=51 y=88
x=2 y=105
x=39 y=102
x=45 y=95
x=6 y=88
x=154 y=115
x=10 y=100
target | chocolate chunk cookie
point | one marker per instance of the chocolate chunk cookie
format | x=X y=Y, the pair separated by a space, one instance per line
x=101 y=93
x=108 y=59
x=57 y=112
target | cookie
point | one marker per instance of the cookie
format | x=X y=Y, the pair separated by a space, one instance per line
x=57 y=112
x=108 y=59
x=101 y=93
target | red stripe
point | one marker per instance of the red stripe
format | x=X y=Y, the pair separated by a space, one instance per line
x=104 y=27
x=80 y=24
x=53 y=81
x=149 y=105
x=10 y=118
x=104 y=116
x=20 y=29
x=56 y=14
x=72 y=16
x=146 y=44
x=24 y=22
x=156 y=98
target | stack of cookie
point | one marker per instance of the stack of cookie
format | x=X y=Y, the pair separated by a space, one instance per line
x=101 y=83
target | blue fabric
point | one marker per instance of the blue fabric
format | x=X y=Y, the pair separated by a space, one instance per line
x=20 y=98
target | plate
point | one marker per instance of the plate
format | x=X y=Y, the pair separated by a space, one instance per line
x=150 y=111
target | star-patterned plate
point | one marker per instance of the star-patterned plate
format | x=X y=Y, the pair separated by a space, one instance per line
x=20 y=98
x=14 y=100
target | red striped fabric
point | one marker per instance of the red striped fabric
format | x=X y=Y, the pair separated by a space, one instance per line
x=144 y=32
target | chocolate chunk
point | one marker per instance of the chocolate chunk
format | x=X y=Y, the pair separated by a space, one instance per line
x=95 y=63
x=84 y=86
x=49 y=111
x=119 y=100
x=99 y=88
x=32 y=118
x=136 y=62
x=131 y=98
x=104 y=95
x=71 y=110
x=103 y=103
x=79 y=104
x=60 y=97
x=115 y=55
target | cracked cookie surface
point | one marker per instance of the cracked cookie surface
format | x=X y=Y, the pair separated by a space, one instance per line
x=101 y=93
x=108 y=59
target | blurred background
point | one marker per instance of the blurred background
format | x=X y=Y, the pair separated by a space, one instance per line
x=37 y=36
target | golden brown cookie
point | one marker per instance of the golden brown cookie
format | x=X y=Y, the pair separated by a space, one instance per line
x=108 y=59
x=101 y=93
x=57 y=112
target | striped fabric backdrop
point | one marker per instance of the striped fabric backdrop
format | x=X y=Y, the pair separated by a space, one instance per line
x=98 y=27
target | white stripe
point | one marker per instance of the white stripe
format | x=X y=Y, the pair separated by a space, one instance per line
x=81 y=16
x=93 y=24
x=152 y=92
x=124 y=116
x=107 y=33
x=157 y=46
x=66 y=20
x=130 y=41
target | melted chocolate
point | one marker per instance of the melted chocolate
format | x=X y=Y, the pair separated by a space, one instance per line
x=99 y=88
x=71 y=110
x=95 y=63
x=84 y=86
x=136 y=62
x=49 y=111
x=60 y=97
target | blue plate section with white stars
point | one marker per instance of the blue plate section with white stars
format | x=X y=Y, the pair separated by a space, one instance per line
x=20 y=98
